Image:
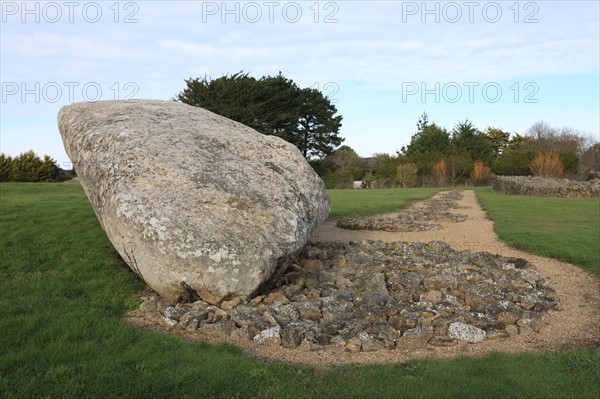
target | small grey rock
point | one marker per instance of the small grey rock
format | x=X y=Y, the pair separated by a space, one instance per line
x=466 y=332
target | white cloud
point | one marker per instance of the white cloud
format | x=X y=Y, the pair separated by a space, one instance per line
x=370 y=50
x=186 y=48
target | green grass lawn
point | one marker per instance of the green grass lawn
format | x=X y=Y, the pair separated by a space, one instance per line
x=563 y=228
x=64 y=290
x=370 y=202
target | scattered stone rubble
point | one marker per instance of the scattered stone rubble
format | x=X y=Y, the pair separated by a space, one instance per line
x=385 y=224
x=413 y=219
x=371 y=295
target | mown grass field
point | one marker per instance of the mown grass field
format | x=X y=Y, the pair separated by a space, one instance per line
x=563 y=228
x=64 y=290
x=371 y=202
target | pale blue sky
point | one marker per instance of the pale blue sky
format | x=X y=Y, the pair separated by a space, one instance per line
x=506 y=64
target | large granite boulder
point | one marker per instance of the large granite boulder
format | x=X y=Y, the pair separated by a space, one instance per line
x=197 y=204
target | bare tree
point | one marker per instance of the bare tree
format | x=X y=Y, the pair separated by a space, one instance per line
x=541 y=137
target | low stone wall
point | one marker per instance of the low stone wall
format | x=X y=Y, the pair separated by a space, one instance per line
x=546 y=187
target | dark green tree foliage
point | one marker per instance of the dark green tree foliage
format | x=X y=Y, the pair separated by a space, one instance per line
x=422 y=122
x=324 y=167
x=428 y=146
x=498 y=140
x=48 y=170
x=430 y=141
x=234 y=96
x=318 y=129
x=501 y=141
x=467 y=139
x=341 y=166
x=570 y=162
x=272 y=105
x=387 y=166
x=28 y=167
x=276 y=108
x=5 y=167
x=459 y=166
x=513 y=163
x=433 y=143
x=25 y=167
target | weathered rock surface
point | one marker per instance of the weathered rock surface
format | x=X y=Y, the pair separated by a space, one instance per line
x=466 y=332
x=198 y=205
x=370 y=295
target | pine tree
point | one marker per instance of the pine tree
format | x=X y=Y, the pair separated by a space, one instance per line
x=272 y=105
x=318 y=127
x=467 y=138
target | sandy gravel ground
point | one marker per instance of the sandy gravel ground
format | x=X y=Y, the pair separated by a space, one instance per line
x=576 y=326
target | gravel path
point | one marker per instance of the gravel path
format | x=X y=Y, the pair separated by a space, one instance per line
x=577 y=326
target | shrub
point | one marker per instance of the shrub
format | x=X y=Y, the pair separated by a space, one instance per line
x=481 y=173
x=48 y=170
x=406 y=174
x=344 y=185
x=513 y=163
x=440 y=173
x=331 y=181
x=460 y=165
x=28 y=167
x=5 y=167
x=387 y=166
x=368 y=180
x=570 y=162
x=547 y=165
